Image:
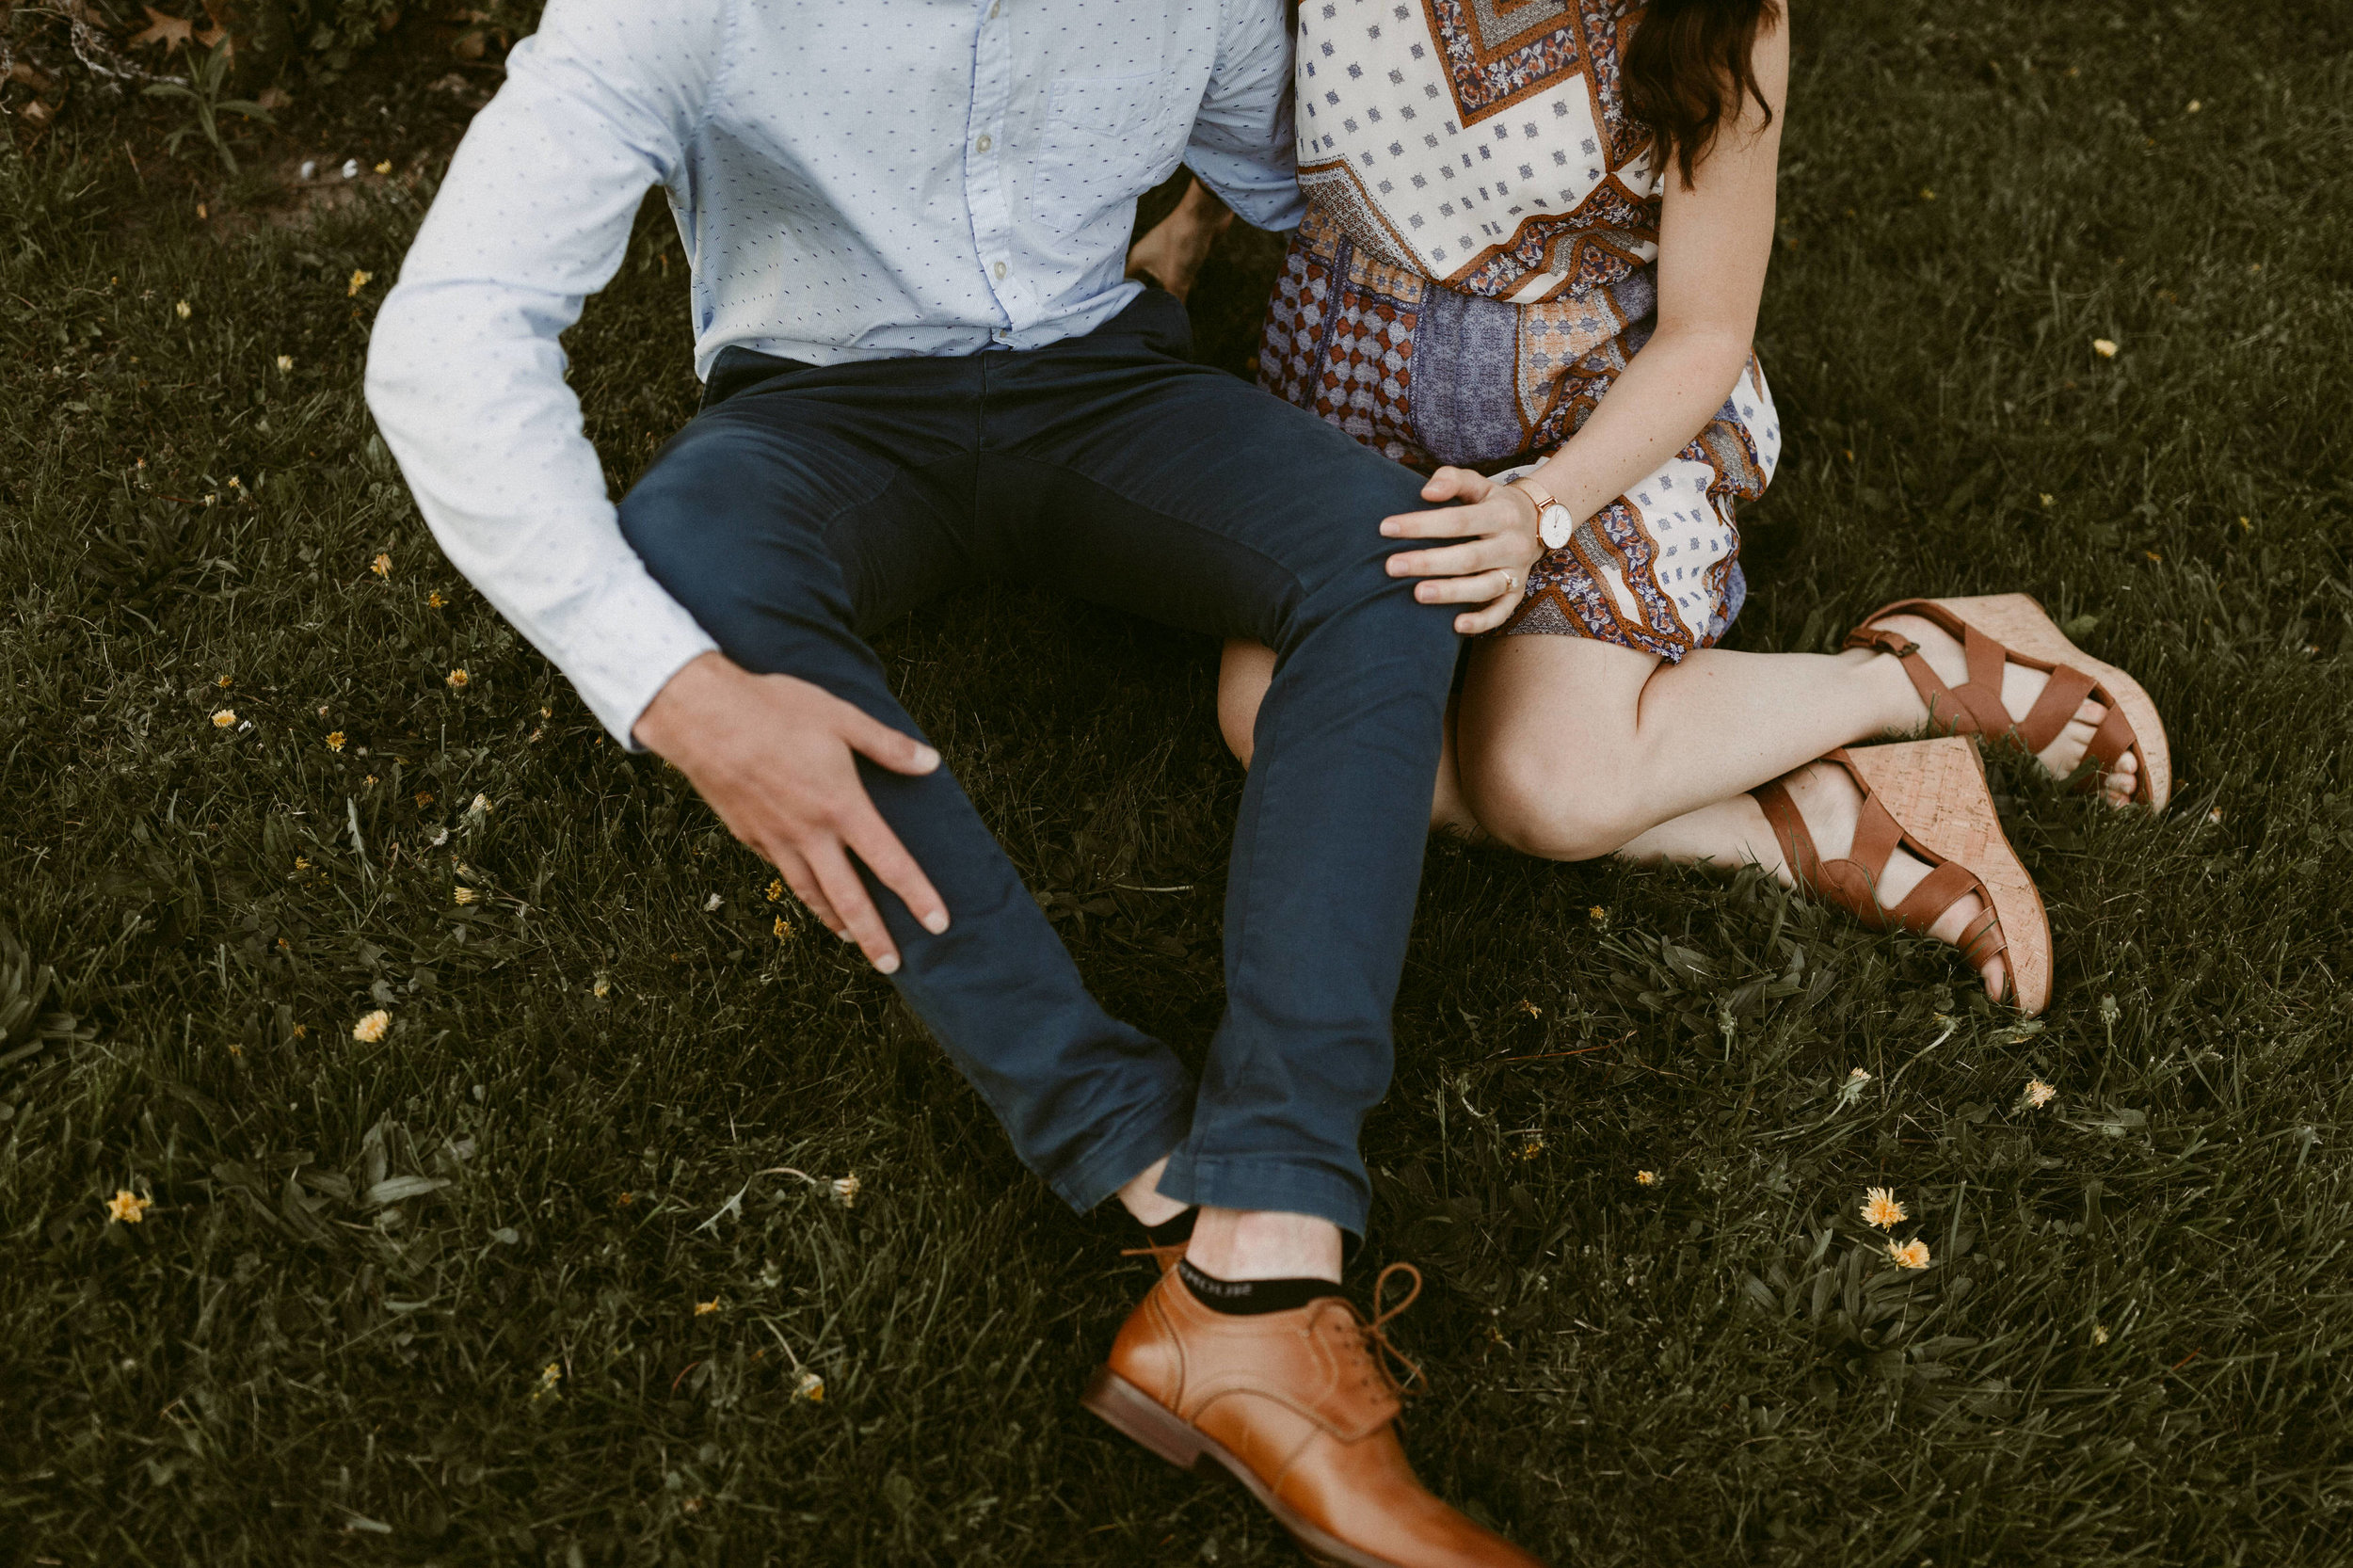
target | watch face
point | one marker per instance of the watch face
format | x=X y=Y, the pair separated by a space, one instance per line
x=1553 y=527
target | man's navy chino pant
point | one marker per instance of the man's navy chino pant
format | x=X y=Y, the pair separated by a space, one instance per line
x=804 y=507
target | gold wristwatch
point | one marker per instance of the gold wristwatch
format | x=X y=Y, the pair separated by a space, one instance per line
x=1553 y=522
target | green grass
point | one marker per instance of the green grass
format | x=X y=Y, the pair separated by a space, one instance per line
x=2130 y=1345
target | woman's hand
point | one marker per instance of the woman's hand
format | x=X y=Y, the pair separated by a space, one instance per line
x=1488 y=568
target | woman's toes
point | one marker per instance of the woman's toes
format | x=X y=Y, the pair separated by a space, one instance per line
x=1950 y=925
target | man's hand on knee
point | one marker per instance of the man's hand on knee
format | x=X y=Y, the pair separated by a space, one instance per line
x=774 y=757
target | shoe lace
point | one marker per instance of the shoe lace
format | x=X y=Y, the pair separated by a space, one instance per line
x=1381 y=1352
x=1163 y=1258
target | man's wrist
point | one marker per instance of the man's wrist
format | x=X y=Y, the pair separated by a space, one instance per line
x=657 y=728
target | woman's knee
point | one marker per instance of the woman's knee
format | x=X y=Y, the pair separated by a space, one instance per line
x=1246 y=671
x=1549 y=803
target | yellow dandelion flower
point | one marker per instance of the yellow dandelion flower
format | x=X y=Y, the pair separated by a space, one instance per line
x=783 y=928
x=1531 y=1149
x=704 y=1309
x=224 y=719
x=603 y=987
x=382 y=565
x=811 y=1387
x=335 y=739
x=425 y=799
x=550 y=1376
x=302 y=862
x=302 y=1031
x=1597 y=915
x=384 y=168
x=358 y=280
x=457 y=680
x=2104 y=347
x=776 y=890
x=285 y=361
x=372 y=1027
x=183 y=309
x=2040 y=1094
x=1646 y=1179
x=127 y=1207
x=845 y=1190
x=226 y=681
x=434 y=600
x=1530 y=1008
x=2099 y=1335
x=1880 y=1208
x=1910 y=1255
x=464 y=895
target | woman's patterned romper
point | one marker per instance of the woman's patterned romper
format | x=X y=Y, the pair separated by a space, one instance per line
x=1479 y=263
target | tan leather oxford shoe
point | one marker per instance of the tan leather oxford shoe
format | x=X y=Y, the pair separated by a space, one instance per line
x=1300 y=1407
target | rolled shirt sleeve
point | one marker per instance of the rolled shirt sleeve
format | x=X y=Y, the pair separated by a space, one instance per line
x=465 y=375
x=1244 y=146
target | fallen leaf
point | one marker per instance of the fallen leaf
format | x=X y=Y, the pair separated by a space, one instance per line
x=169 y=31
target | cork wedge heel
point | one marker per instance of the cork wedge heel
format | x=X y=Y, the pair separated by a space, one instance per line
x=1995 y=628
x=1929 y=798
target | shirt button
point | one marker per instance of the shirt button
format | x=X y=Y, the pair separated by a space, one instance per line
x=999 y=270
x=984 y=144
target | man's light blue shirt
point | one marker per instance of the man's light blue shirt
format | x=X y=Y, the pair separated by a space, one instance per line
x=852 y=179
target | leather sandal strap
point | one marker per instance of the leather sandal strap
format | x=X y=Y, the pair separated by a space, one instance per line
x=1981 y=939
x=1947 y=710
x=1797 y=845
x=2055 y=709
x=1877 y=835
x=2112 y=739
x=1944 y=887
x=1982 y=691
x=1852 y=882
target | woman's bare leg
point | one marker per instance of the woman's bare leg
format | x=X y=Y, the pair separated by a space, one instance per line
x=1243 y=675
x=1569 y=748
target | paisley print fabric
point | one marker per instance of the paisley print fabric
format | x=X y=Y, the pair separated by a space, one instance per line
x=1478 y=265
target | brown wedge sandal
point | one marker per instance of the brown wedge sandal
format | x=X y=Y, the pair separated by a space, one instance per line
x=1998 y=628
x=1929 y=797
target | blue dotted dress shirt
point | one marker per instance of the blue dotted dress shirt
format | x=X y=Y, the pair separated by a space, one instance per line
x=852 y=180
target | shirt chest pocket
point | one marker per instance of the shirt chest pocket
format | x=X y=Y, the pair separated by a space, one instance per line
x=1106 y=141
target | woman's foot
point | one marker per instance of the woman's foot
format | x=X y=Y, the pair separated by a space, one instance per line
x=1831 y=803
x=1171 y=255
x=2020 y=687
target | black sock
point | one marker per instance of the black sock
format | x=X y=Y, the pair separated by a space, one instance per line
x=1174 y=1232
x=1243 y=1298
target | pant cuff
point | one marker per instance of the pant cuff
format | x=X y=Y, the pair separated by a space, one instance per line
x=1283 y=1186
x=1122 y=1156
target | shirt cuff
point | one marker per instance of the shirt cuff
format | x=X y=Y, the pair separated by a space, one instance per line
x=633 y=637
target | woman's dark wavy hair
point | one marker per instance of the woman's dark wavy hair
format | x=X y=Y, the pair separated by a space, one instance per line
x=1686 y=71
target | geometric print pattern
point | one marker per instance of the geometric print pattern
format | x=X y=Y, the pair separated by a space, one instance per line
x=1482 y=143
x=1427 y=375
x=1479 y=263
x=1658 y=569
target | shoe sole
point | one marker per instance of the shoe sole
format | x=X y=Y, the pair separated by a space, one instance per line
x=1936 y=792
x=1137 y=1414
x=2022 y=626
